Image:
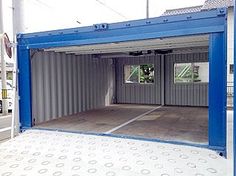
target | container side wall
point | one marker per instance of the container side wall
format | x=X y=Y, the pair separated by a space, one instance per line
x=184 y=94
x=65 y=84
x=138 y=93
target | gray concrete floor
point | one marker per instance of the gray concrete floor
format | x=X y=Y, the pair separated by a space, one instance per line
x=97 y=120
x=188 y=124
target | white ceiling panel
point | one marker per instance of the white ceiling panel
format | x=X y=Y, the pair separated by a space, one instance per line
x=152 y=44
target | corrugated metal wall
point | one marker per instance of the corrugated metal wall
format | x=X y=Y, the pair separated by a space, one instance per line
x=66 y=84
x=185 y=94
x=138 y=93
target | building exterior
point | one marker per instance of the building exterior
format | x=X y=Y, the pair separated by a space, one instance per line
x=234 y=129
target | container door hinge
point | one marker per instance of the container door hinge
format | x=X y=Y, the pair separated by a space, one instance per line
x=101 y=27
x=221 y=12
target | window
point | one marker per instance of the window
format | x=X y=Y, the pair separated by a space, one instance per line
x=9 y=75
x=191 y=72
x=183 y=72
x=231 y=68
x=141 y=74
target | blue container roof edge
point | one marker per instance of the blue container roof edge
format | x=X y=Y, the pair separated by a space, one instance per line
x=165 y=26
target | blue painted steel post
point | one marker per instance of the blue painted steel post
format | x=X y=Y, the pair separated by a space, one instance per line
x=217 y=91
x=24 y=87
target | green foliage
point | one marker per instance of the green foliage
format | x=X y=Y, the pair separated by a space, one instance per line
x=140 y=73
x=147 y=73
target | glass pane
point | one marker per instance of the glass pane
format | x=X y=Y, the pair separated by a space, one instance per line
x=131 y=73
x=201 y=72
x=147 y=73
x=183 y=73
x=142 y=74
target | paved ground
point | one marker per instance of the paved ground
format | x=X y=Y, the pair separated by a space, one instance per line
x=5 y=121
x=56 y=153
x=230 y=141
x=64 y=140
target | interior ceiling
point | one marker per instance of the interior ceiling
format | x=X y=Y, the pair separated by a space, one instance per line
x=141 y=45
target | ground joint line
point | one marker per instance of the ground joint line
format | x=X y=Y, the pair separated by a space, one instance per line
x=132 y=120
x=5 y=129
x=4 y=117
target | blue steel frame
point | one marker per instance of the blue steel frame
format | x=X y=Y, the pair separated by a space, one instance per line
x=206 y=22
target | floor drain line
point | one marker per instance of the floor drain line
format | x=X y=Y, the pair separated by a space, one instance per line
x=132 y=120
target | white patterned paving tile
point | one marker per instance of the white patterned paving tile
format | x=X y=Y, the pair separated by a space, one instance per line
x=41 y=152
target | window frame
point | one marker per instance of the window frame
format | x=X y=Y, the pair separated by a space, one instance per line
x=138 y=83
x=192 y=64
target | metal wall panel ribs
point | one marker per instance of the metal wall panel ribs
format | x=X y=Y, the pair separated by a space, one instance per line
x=65 y=84
x=184 y=94
x=138 y=93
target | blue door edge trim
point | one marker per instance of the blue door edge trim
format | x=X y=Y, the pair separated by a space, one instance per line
x=24 y=88
x=217 y=85
x=220 y=150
